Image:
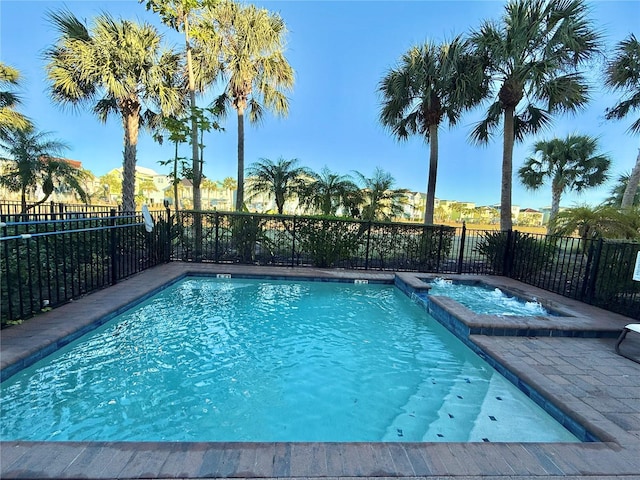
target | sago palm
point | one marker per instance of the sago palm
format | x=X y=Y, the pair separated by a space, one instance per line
x=116 y=67
x=10 y=118
x=623 y=75
x=572 y=163
x=281 y=179
x=533 y=56
x=32 y=161
x=251 y=43
x=433 y=83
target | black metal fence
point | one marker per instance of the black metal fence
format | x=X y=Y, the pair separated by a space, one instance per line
x=594 y=271
x=48 y=262
x=12 y=210
x=311 y=241
x=598 y=272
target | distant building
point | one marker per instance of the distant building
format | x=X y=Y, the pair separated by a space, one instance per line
x=530 y=217
x=60 y=194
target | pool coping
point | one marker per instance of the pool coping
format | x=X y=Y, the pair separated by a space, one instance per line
x=616 y=455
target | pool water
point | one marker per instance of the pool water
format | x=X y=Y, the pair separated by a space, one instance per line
x=486 y=300
x=251 y=360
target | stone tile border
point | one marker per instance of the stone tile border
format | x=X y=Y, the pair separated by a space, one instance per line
x=101 y=460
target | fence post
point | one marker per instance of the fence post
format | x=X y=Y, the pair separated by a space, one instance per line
x=507 y=254
x=439 y=250
x=366 y=254
x=293 y=244
x=216 y=253
x=463 y=237
x=114 y=239
x=593 y=273
x=167 y=246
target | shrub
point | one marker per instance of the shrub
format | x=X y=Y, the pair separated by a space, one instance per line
x=516 y=254
x=327 y=241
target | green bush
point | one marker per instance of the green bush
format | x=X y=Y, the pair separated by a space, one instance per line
x=614 y=272
x=516 y=254
x=327 y=241
x=247 y=232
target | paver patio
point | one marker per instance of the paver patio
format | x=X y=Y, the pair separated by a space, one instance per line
x=583 y=377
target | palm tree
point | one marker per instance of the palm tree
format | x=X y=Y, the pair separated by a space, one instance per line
x=209 y=186
x=532 y=57
x=251 y=42
x=230 y=185
x=181 y=15
x=617 y=192
x=145 y=187
x=283 y=179
x=623 y=74
x=380 y=200
x=10 y=119
x=328 y=192
x=571 y=164
x=32 y=162
x=119 y=67
x=112 y=185
x=432 y=83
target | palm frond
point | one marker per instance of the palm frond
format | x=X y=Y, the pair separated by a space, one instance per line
x=481 y=133
x=531 y=120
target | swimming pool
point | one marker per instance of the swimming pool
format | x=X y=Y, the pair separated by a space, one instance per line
x=486 y=300
x=249 y=360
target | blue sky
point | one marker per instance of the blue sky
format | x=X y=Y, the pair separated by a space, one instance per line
x=340 y=50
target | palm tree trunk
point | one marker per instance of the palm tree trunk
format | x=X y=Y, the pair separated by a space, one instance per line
x=175 y=181
x=507 y=170
x=196 y=170
x=23 y=199
x=280 y=203
x=433 y=172
x=632 y=185
x=194 y=121
x=131 y=123
x=556 y=193
x=240 y=195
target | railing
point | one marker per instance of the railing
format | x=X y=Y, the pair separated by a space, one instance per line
x=311 y=241
x=12 y=211
x=47 y=263
x=598 y=272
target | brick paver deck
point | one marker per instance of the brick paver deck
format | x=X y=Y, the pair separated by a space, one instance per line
x=583 y=377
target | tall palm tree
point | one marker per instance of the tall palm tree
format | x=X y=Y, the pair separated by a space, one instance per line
x=623 y=75
x=380 y=200
x=572 y=163
x=283 y=179
x=10 y=118
x=33 y=162
x=533 y=57
x=328 y=192
x=251 y=43
x=117 y=67
x=432 y=83
x=178 y=14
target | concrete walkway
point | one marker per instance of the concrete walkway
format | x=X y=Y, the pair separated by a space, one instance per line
x=581 y=377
